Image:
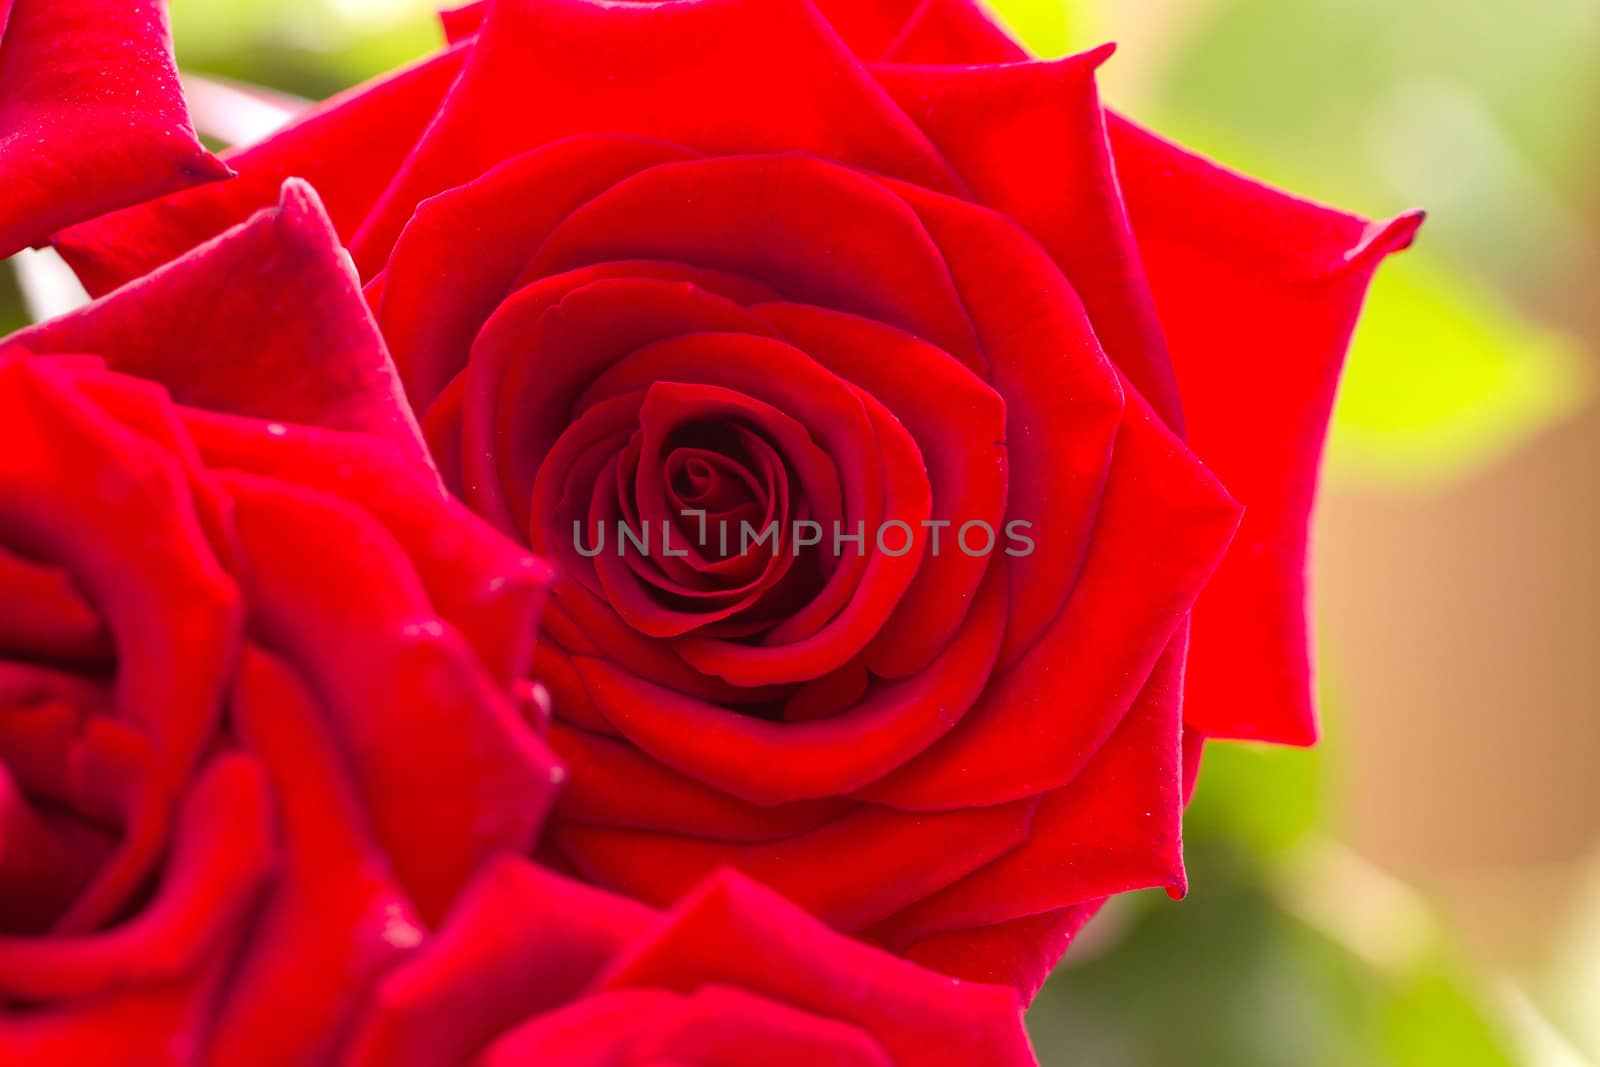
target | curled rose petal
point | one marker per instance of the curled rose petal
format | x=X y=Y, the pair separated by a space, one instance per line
x=222 y=854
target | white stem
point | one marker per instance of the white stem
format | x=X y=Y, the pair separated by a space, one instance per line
x=236 y=112
x=49 y=288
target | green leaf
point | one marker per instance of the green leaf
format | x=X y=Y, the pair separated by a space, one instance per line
x=1444 y=378
x=1431 y=1017
x=1234 y=977
x=1265 y=796
x=13 y=316
x=313 y=48
x=1049 y=28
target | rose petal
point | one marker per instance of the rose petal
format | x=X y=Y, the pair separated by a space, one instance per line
x=68 y=472
x=958 y=422
x=599 y=66
x=221 y=856
x=509 y=210
x=601 y=1029
x=47 y=857
x=720 y=213
x=462 y=22
x=91 y=114
x=1064 y=402
x=778 y=762
x=484 y=585
x=534 y=366
x=953 y=31
x=1258 y=293
x=446 y=766
x=731 y=931
x=852 y=428
x=717 y=1026
x=1020 y=953
x=651 y=600
x=1030 y=140
x=125 y=1026
x=869 y=27
x=1115 y=828
x=334 y=919
x=520 y=941
x=288 y=336
x=1040 y=722
x=348 y=147
x=61 y=748
x=59 y=623
x=609 y=777
x=894 y=859
x=592 y=625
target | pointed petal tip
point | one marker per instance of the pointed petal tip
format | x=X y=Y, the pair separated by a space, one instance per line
x=207 y=167
x=1386 y=237
x=723 y=881
x=1307 y=735
x=298 y=198
x=300 y=210
x=1298 y=729
x=1096 y=57
x=1085 y=63
x=1174 y=876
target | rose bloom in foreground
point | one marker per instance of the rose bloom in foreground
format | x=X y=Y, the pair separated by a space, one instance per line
x=262 y=683
x=862 y=263
x=268 y=757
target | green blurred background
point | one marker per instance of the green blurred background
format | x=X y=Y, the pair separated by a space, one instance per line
x=1424 y=889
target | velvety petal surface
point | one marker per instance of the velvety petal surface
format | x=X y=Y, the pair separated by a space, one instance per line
x=733 y=931
x=534 y=968
x=1258 y=293
x=287 y=335
x=348 y=147
x=598 y=67
x=92 y=117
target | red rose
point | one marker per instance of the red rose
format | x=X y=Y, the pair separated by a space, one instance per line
x=726 y=257
x=260 y=681
x=534 y=969
x=81 y=132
